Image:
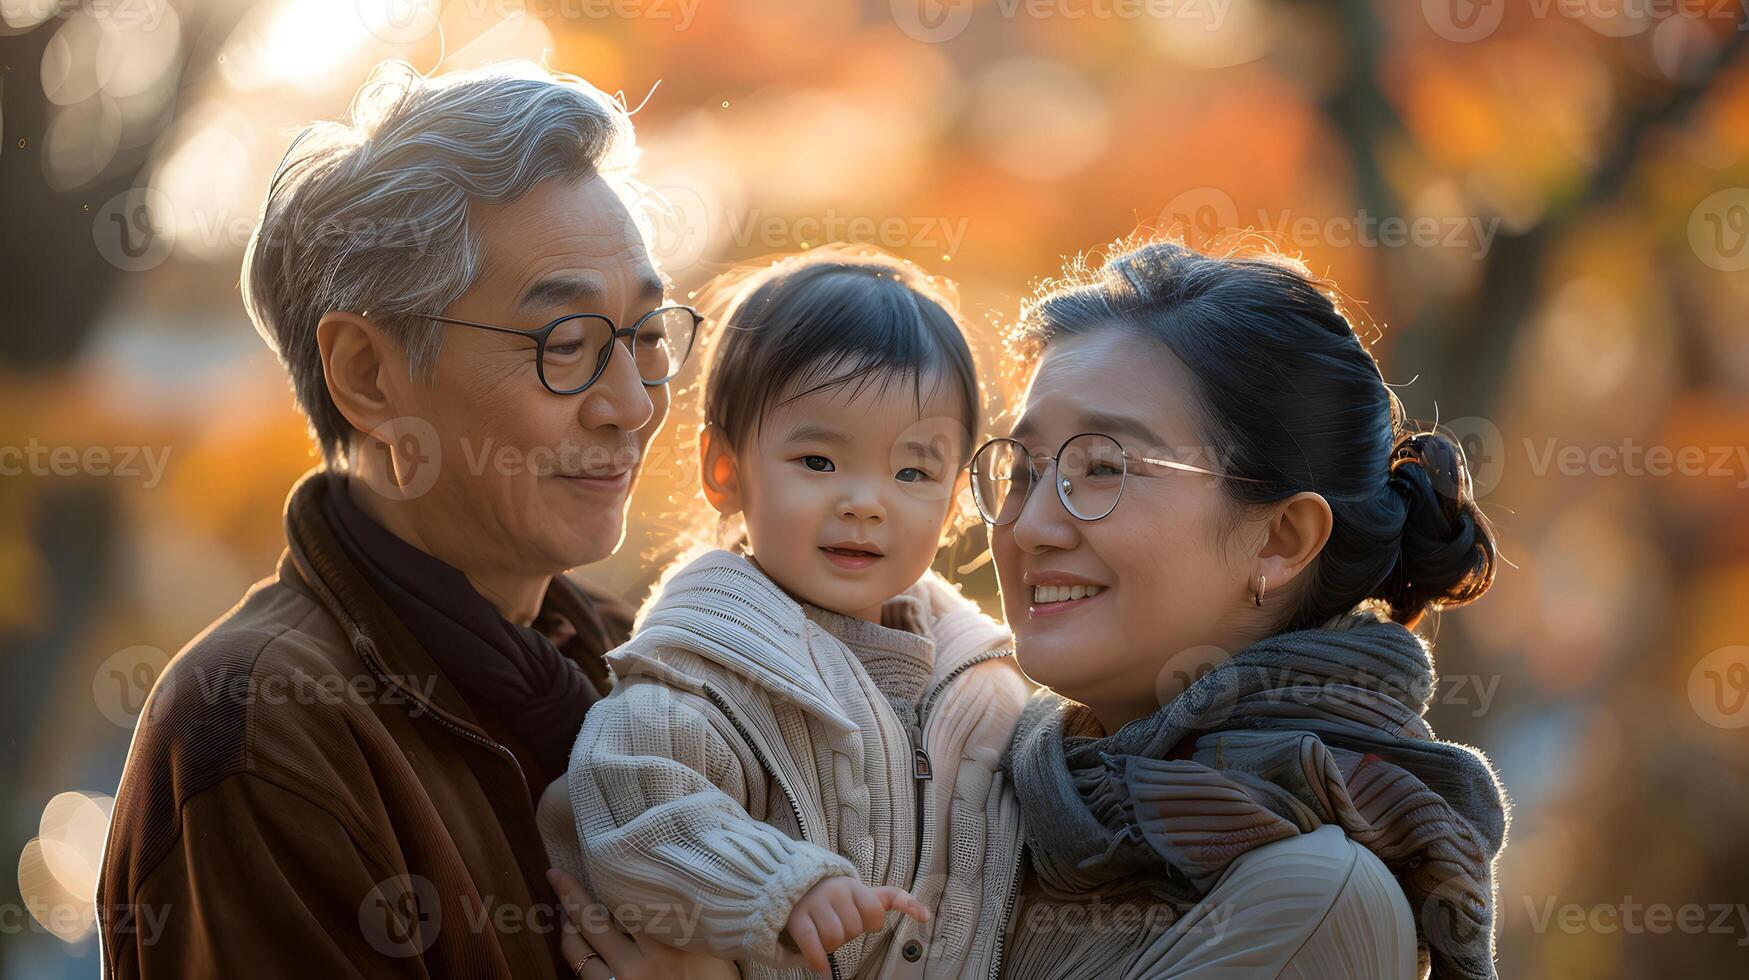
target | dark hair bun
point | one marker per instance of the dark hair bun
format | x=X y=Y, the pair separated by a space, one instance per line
x=1446 y=554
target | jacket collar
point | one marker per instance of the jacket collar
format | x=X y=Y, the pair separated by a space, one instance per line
x=315 y=559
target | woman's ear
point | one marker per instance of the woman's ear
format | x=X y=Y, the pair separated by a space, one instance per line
x=1296 y=534
x=719 y=473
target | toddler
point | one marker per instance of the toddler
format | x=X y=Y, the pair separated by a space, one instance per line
x=795 y=719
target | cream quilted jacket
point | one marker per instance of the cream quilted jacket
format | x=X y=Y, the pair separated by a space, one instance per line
x=745 y=754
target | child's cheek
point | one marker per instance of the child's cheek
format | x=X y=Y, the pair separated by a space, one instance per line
x=915 y=548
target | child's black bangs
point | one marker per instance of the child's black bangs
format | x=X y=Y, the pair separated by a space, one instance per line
x=850 y=329
x=835 y=326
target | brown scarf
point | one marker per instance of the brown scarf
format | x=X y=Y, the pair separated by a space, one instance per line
x=510 y=675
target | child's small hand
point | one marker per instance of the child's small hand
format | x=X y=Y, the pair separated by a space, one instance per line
x=840 y=908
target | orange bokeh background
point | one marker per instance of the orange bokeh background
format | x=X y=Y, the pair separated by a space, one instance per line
x=1566 y=289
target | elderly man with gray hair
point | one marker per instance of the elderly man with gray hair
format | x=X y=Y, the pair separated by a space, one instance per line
x=338 y=777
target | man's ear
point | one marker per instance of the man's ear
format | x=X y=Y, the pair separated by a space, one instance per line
x=1296 y=534
x=719 y=473
x=357 y=358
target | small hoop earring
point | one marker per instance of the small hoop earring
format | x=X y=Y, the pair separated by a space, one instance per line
x=1257 y=597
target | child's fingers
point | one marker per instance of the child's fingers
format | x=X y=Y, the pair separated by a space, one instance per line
x=868 y=904
x=807 y=937
x=849 y=913
x=831 y=927
x=904 y=901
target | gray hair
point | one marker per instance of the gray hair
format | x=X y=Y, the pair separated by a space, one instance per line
x=371 y=214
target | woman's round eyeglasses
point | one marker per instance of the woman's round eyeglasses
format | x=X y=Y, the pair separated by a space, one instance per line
x=1090 y=473
x=572 y=352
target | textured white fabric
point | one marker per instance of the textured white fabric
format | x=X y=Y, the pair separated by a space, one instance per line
x=730 y=700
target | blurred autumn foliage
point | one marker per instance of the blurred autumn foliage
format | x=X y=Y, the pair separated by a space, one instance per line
x=1538 y=209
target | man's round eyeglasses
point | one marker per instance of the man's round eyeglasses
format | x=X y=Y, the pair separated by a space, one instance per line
x=572 y=352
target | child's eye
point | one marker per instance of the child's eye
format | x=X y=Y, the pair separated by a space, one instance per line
x=912 y=474
x=818 y=464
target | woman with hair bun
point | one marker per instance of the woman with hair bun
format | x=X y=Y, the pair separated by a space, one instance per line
x=1214 y=532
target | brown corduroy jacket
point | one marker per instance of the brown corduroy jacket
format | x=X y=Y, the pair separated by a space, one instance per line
x=308 y=796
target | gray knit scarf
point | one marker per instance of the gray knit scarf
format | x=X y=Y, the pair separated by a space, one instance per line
x=1313 y=727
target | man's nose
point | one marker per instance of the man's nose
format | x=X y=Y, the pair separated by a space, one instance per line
x=618 y=398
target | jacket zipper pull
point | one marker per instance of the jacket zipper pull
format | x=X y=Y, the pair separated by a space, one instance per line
x=921 y=768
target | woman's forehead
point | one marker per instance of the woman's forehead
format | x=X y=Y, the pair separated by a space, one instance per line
x=1111 y=381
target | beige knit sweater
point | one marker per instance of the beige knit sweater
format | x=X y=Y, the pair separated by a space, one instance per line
x=753 y=746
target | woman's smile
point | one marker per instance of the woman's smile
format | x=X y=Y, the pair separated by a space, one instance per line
x=1059 y=593
x=1060 y=600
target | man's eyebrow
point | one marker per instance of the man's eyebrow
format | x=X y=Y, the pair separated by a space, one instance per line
x=815 y=432
x=651 y=289
x=560 y=291
x=575 y=291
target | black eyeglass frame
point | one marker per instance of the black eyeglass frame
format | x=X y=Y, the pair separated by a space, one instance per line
x=540 y=334
x=1037 y=474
